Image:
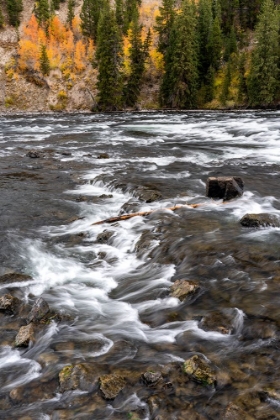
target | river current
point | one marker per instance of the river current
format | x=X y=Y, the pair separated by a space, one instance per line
x=111 y=283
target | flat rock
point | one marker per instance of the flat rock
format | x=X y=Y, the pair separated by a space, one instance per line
x=111 y=385
x=24 y=336
x=200 y=370
x=181 y=289
x=260 y=220
x=226 y=188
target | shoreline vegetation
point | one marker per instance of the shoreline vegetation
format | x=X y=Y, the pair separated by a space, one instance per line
x=136 y=55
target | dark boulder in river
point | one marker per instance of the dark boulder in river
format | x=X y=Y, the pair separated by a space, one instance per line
x=260 y=220
x=226 y=188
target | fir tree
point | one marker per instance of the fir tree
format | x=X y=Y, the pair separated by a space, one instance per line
x=231 y=45
x=215 y=44
x=44 y=61
x=131 y=8
x=242 y=87
x=179 y=85
x=120 y=13
x=164 y=24
x=226 y=84
x=110 y=61
x=264 y=71
x=90 y=14
x=70 y=12
x=1 y=19
x=14 y=8
x=205 y=22
x=42 y=11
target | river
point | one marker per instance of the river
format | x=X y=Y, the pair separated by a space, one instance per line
x=110 y=285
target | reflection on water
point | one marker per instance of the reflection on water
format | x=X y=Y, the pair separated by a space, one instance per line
x=112 y=288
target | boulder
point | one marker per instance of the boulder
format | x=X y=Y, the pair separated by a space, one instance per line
x=260 y=220
x=34 y=154
x=226 y=188
x=24 y=336
x=9 y=304
x=80 y=376
x=104 y=236
x=147 y=194
x=181 y=289
x=200 y=370
x=38 y=311
x=103 y=156
x=111 y=385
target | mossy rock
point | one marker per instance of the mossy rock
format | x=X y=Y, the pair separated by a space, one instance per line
x=111 y=385
x=200 y=370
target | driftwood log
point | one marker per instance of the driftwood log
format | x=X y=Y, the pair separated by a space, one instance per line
x=145 y=213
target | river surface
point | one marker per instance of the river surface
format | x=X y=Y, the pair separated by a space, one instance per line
x=112 y=288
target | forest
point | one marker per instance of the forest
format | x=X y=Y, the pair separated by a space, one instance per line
x=203 y=54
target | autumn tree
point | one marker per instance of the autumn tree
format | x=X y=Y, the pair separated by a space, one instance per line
x=110 y=62
x=263 y=79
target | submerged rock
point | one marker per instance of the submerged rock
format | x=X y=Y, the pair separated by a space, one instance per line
x=81 y=376
x=9 y=304
x=151 y=378
x=200 y=370
x=106 y=196
x=38 y=311
x=111 y=385
x=181 y=289
x=226 y=188
x=260 y=220
x=104 y=236
x=34 y=154
x=217 y=321
x=24 y=336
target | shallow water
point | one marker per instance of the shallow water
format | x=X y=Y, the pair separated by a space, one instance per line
x=116 y=291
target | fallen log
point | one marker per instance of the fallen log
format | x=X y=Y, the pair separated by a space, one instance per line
x=145 y=213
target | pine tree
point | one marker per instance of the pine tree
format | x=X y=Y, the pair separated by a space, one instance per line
x=70 y=12
x=42 y=11
x=226 y=84
x=264 y=71
x=14 y=8
x=138 y=54
x=90 y=14
x=44 y=61
x=205 y=22
x=215 y=44
x=180 y=81
x=242 y=87
x=164 y=24
x=231 y=44
x=131 y=8
x=1 y=19
x=110 y=62
x=120 y=13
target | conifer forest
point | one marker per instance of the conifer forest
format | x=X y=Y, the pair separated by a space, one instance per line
x=131 y=54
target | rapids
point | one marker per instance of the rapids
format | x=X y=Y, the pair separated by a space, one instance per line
x=112 y=289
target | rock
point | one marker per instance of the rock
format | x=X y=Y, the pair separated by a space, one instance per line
x=39 y=310
x=182 y=288
x=151 y=378
x=106 y=196
x=111 y=385
x=260 y=220
x=13 y=278
x=217 y=321
x=80 y=376
x=199 y=369
x=24 y=336
x=103 y=156
x=9 y=304
x=131 y=206
x=65 y=153
x=226 y=188
x=104 y=236
x=147 y=194
x=233 y=412
x=34 y=154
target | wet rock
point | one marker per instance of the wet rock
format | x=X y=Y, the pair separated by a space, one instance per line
x=65 y=153
x=24 y=336
x=34 y=154
x=226 y=188
x=9 y=304
x=199 y=369
x=147 y=194
x=103 y=156
x=104 y=236
x=39 y=310
x=111 y=385
x=260 y=220
x=262 y=329
x=131 y=206
x=13 y=278
x=144 y=243
x=181 y=289
x=106 y=196
x=81 y=376
x=152 y=378
x=217 y=321
x=233 y=412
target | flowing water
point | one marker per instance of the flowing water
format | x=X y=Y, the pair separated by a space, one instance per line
x=112 y=288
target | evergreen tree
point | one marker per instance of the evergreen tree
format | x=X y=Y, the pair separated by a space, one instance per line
x=264 y=71
x=1 y=19
x=131 y=8
x=205 y=22
x=42 y=11
x=179 y=85
x=226 y=84
x=110 y=61
x=70 y=12
x=120 y=13
x=14 y=8
x=164 y=24
x=242 y=87
x=215 y=43
x=90 y=14
x=138 y=54
x=231 y=45
x=44 y=61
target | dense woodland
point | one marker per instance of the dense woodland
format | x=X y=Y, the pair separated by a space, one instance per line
x=202 y=54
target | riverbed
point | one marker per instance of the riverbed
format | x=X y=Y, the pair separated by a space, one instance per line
x=109 y=286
